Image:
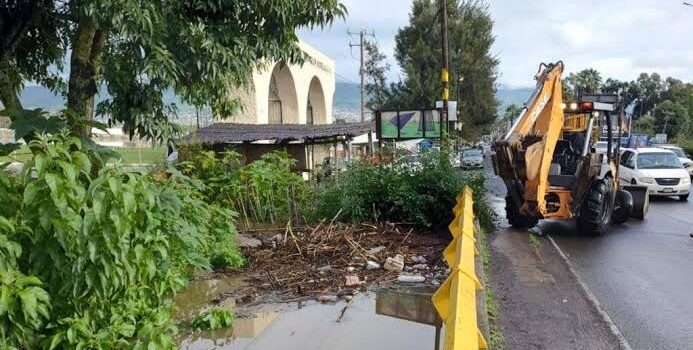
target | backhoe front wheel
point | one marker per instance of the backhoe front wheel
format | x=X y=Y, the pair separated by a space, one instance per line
x=515 y=219
x=596 y=211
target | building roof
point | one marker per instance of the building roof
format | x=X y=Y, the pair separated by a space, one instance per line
x=234 y=132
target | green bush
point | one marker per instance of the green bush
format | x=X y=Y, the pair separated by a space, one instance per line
x=263 y=191
x=423 y=195
x=91 y=258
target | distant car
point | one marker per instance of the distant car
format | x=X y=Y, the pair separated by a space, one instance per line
x=683 y=157
x=657 y=168
x=472 y=159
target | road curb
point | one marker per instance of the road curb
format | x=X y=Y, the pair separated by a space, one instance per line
x=623 y=343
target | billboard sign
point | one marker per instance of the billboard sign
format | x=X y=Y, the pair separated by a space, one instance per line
x=408 y=124
x=452 y=109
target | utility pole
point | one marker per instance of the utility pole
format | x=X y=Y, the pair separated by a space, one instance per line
x=445 y=71
x=666 y=121
x=360 y=45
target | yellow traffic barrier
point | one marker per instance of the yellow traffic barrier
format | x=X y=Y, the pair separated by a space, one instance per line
x=455 y=299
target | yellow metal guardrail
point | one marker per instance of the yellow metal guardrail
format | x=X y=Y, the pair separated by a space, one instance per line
x=455 y=299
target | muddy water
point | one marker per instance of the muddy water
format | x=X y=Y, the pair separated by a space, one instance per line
x=384 y=319
x=198 y=296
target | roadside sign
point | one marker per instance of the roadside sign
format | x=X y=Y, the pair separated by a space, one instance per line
x=452 y=109
x=660 y=138
x=408 y=124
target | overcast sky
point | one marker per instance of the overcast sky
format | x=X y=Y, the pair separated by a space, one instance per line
x=618 y=38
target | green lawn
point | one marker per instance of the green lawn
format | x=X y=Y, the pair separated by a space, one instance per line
x=142 y=155
x=128 y=155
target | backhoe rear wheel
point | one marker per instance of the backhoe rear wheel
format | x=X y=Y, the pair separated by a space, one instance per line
x=596 y=211
x=515 y=219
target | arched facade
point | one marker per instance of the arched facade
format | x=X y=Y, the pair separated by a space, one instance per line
x=288 y=93
x=316 y=112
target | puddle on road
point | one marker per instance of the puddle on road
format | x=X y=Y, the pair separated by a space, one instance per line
x=388 y=318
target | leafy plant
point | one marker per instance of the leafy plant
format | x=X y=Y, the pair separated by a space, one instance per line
x=213 y=319
x=91 y=259
x=265 y=190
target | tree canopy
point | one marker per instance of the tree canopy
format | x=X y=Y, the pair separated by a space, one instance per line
x=200 y=49
x=657 y=105
x=418 y=54
x=586 y=80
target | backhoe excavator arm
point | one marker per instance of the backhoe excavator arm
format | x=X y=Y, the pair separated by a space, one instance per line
x=524 y=155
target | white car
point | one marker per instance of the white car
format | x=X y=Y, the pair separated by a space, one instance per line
x=473 y=159
x=683 y=157
x=658 y=168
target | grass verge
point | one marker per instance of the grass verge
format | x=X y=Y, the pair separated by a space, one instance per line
x=156 y=155
x=496 y=339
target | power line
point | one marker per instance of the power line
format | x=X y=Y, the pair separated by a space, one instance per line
x=360 y=45
x=346 y=80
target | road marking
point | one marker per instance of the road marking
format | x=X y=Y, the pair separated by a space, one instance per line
x=593 y=299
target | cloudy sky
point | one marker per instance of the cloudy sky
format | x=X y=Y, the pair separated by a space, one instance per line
x=618 y=38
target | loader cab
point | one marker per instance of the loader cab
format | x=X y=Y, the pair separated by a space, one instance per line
x=575 y=163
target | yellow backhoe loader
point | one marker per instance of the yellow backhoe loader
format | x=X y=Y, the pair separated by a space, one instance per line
x=550 y=167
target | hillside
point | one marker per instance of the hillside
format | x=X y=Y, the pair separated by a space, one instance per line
x=346 y=101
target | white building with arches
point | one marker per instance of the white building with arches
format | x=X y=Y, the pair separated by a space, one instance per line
x=282 y=93
x=286 y=107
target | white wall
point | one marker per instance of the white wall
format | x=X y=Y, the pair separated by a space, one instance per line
x=255 y=99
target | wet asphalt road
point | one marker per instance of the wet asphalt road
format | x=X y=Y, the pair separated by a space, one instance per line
x=641 y=272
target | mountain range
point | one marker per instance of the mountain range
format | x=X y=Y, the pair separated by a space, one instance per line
x=346 y=102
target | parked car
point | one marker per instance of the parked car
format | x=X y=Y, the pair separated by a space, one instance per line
x=472 y=159
x=683 y=157
x=658 y=168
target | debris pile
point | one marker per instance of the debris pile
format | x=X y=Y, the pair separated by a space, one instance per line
x=327 y=262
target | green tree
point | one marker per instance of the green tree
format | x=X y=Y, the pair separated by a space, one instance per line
x=614 y=86
x=512 y=112
x=586 y=80
x=671 y=118
x=31 y=41
x=645 y=125
x=418 y=53
x=509 y=116
x=374 y=70
x=200 y=49
x=648 y=88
